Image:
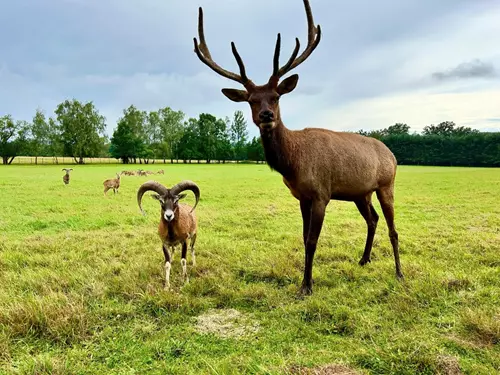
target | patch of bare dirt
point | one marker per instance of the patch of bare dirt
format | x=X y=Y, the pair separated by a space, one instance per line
x=228 y=323
x=448 y=365
x=333 y=369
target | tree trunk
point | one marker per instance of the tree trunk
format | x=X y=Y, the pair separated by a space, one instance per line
x=12 y=158
x=5 y=159
x=36 y=160
x=80 y=161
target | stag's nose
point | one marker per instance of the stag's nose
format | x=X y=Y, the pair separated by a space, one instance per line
x=266 y=116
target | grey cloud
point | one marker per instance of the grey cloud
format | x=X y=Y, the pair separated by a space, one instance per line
x=119 y=52
x=467 y=70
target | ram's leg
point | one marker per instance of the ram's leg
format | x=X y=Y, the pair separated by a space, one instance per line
x=193 y=241
x=185 y=277
x=167 y=267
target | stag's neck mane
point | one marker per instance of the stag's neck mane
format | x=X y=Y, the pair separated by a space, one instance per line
x=279 y=148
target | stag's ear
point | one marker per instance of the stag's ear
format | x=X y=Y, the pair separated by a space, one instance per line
x=288 y=84
x=236 y=95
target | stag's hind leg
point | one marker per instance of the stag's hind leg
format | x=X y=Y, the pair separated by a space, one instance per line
x=385 y=196
x=368 y=212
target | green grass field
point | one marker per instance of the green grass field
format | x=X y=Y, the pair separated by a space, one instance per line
x=81 y=277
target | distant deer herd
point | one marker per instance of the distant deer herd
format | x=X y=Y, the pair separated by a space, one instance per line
x=317 y=165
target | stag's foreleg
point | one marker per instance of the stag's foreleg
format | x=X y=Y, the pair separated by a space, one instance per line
x=317 y=215
x=305 y=209
x=386 y=198
x=371 y=217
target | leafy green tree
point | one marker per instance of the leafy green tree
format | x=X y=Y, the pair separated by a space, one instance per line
x=396 y=129
x=82 y=129
x=190 y=141
x=56 y=147
x=445 y=128
x=40 y=133
x=239 y=135
x=172 y=130
x=128 y=140
x=255 y=151
x=224 y=149
x=13 y=138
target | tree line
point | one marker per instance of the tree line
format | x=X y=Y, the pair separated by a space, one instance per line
x=166 y=134
x=444 y=144
x=77 y=130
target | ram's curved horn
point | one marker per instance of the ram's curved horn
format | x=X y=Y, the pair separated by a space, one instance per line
x=149 y=186
x=187 y=185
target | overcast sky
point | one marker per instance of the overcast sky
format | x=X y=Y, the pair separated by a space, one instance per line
x=379 y=62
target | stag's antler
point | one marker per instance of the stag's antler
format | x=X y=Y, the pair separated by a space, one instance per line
x=313 y=38
x=203 y=53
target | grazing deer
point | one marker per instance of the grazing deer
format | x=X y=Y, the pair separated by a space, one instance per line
x=317 y=165
x=112 y=183
x=66 y=176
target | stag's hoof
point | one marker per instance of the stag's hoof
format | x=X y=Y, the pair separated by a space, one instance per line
x=306 y=289
x=400 y=276
x=364 y=261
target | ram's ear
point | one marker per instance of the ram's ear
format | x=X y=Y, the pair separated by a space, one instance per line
x=182 y=196
x=157 y=197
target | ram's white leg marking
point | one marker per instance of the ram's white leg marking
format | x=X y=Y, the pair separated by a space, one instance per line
x=192 y=242
x=185 y=277
x=167 y=275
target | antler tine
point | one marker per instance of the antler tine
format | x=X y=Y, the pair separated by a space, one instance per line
x=241 y=65
x=276 y=61
x=204 y=55
x=290 y=61
x=313 y=39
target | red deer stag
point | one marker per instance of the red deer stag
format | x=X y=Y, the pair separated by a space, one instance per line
x=317 y=165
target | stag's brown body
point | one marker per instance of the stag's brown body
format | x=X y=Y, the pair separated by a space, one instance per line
x=317 y=165
x=368 y=164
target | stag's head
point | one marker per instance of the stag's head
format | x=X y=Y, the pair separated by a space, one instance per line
x=168 y=198
x=263 y=99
